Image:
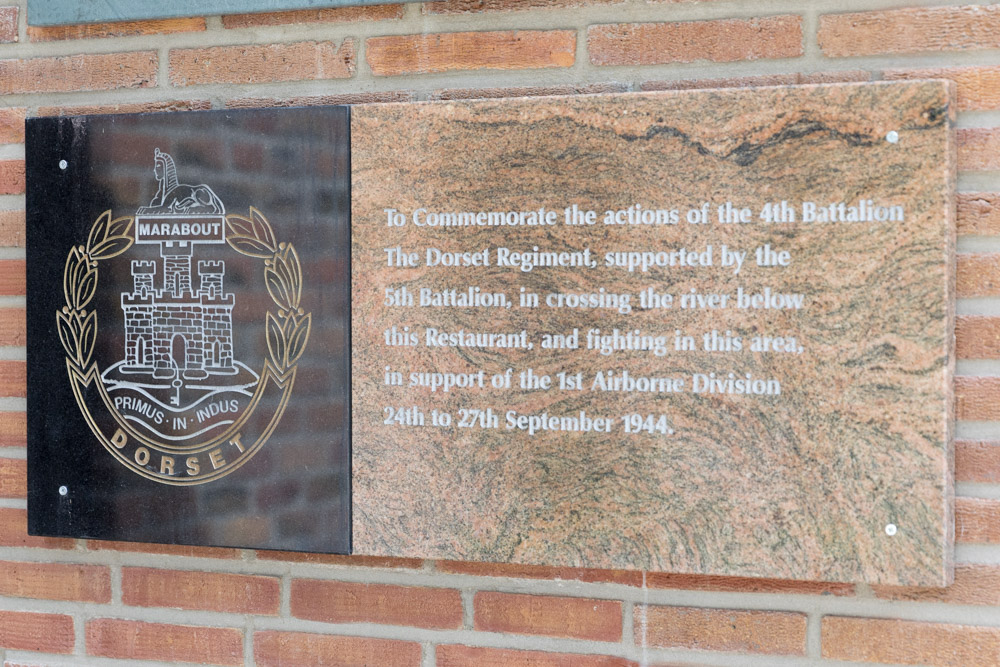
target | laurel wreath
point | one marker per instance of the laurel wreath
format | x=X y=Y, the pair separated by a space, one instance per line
x=77 y=327
x=287 y=333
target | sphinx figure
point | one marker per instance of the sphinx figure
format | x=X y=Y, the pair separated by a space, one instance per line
x=173 y=197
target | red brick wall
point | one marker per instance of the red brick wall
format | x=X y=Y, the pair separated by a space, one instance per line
x=77 y=601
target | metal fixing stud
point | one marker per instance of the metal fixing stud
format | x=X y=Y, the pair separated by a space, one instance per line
x=63 y=491
x=892 y=137
x=890 y=529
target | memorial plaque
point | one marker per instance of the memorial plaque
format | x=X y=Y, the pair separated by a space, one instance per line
x=703 y=332
x=188 y=328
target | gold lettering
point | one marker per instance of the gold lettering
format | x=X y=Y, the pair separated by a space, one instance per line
x=141 y=456
x=119 y=439
x=235 y=440
x=217 y=461
x=193 y=467
x=167 y=465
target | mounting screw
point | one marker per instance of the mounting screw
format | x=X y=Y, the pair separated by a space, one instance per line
x=63 y=490
x=63 y=164
x=892 y=137
x=890 y=529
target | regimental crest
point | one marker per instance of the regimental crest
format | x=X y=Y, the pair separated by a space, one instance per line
x=184 y=409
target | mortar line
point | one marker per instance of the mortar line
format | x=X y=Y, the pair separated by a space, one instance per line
x=814 y=634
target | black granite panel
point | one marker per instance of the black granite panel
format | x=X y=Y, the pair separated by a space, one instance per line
x=188 y=328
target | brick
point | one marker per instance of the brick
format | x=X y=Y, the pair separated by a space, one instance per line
x=336 y=15
x=11 y=177
x=909 y=30
x=977 y=398
x=11 y=229
x=792 y=78
x=12 y=274
x=771 y=632
x=13 y=478
x=56 y=581
x=208 y=591
x=313 y=100
x=12 y=326
x=13 y=379
x=136 y=640
x=12 y=125
x=908 y=642
x=978 y=148
x=14 y=532
x=974 y=584
x=447 y=52
x=977 y=88
x=163 y=549
x=104 y=71
x=577 y=618
x=977 y=462
x=132 y=107
x=977 y=521
x=13 y=429
x=528 y=91
x=480 y=6
x=335 y=559
x=518 y=571
x=117 y=29
x=8 y=24
x=699 y=582
x=300 y=61
x=299 y=649
x=23 y=631
x=977 y=274
x=978 y=213
x=452 y=655
x=345 y=602
x=726 y=40
x=977 y=337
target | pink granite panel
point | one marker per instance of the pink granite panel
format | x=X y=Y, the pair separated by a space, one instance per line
x=799 y=484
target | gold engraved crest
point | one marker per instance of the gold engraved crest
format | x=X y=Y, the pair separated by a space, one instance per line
x=181 y=405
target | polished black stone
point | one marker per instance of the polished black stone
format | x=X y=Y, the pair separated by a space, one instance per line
x=189 y=350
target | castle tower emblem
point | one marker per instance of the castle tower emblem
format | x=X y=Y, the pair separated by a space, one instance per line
x=176 y=325
x=178 y=322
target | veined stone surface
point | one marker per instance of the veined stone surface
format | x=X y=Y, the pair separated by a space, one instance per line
x=805 y=484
